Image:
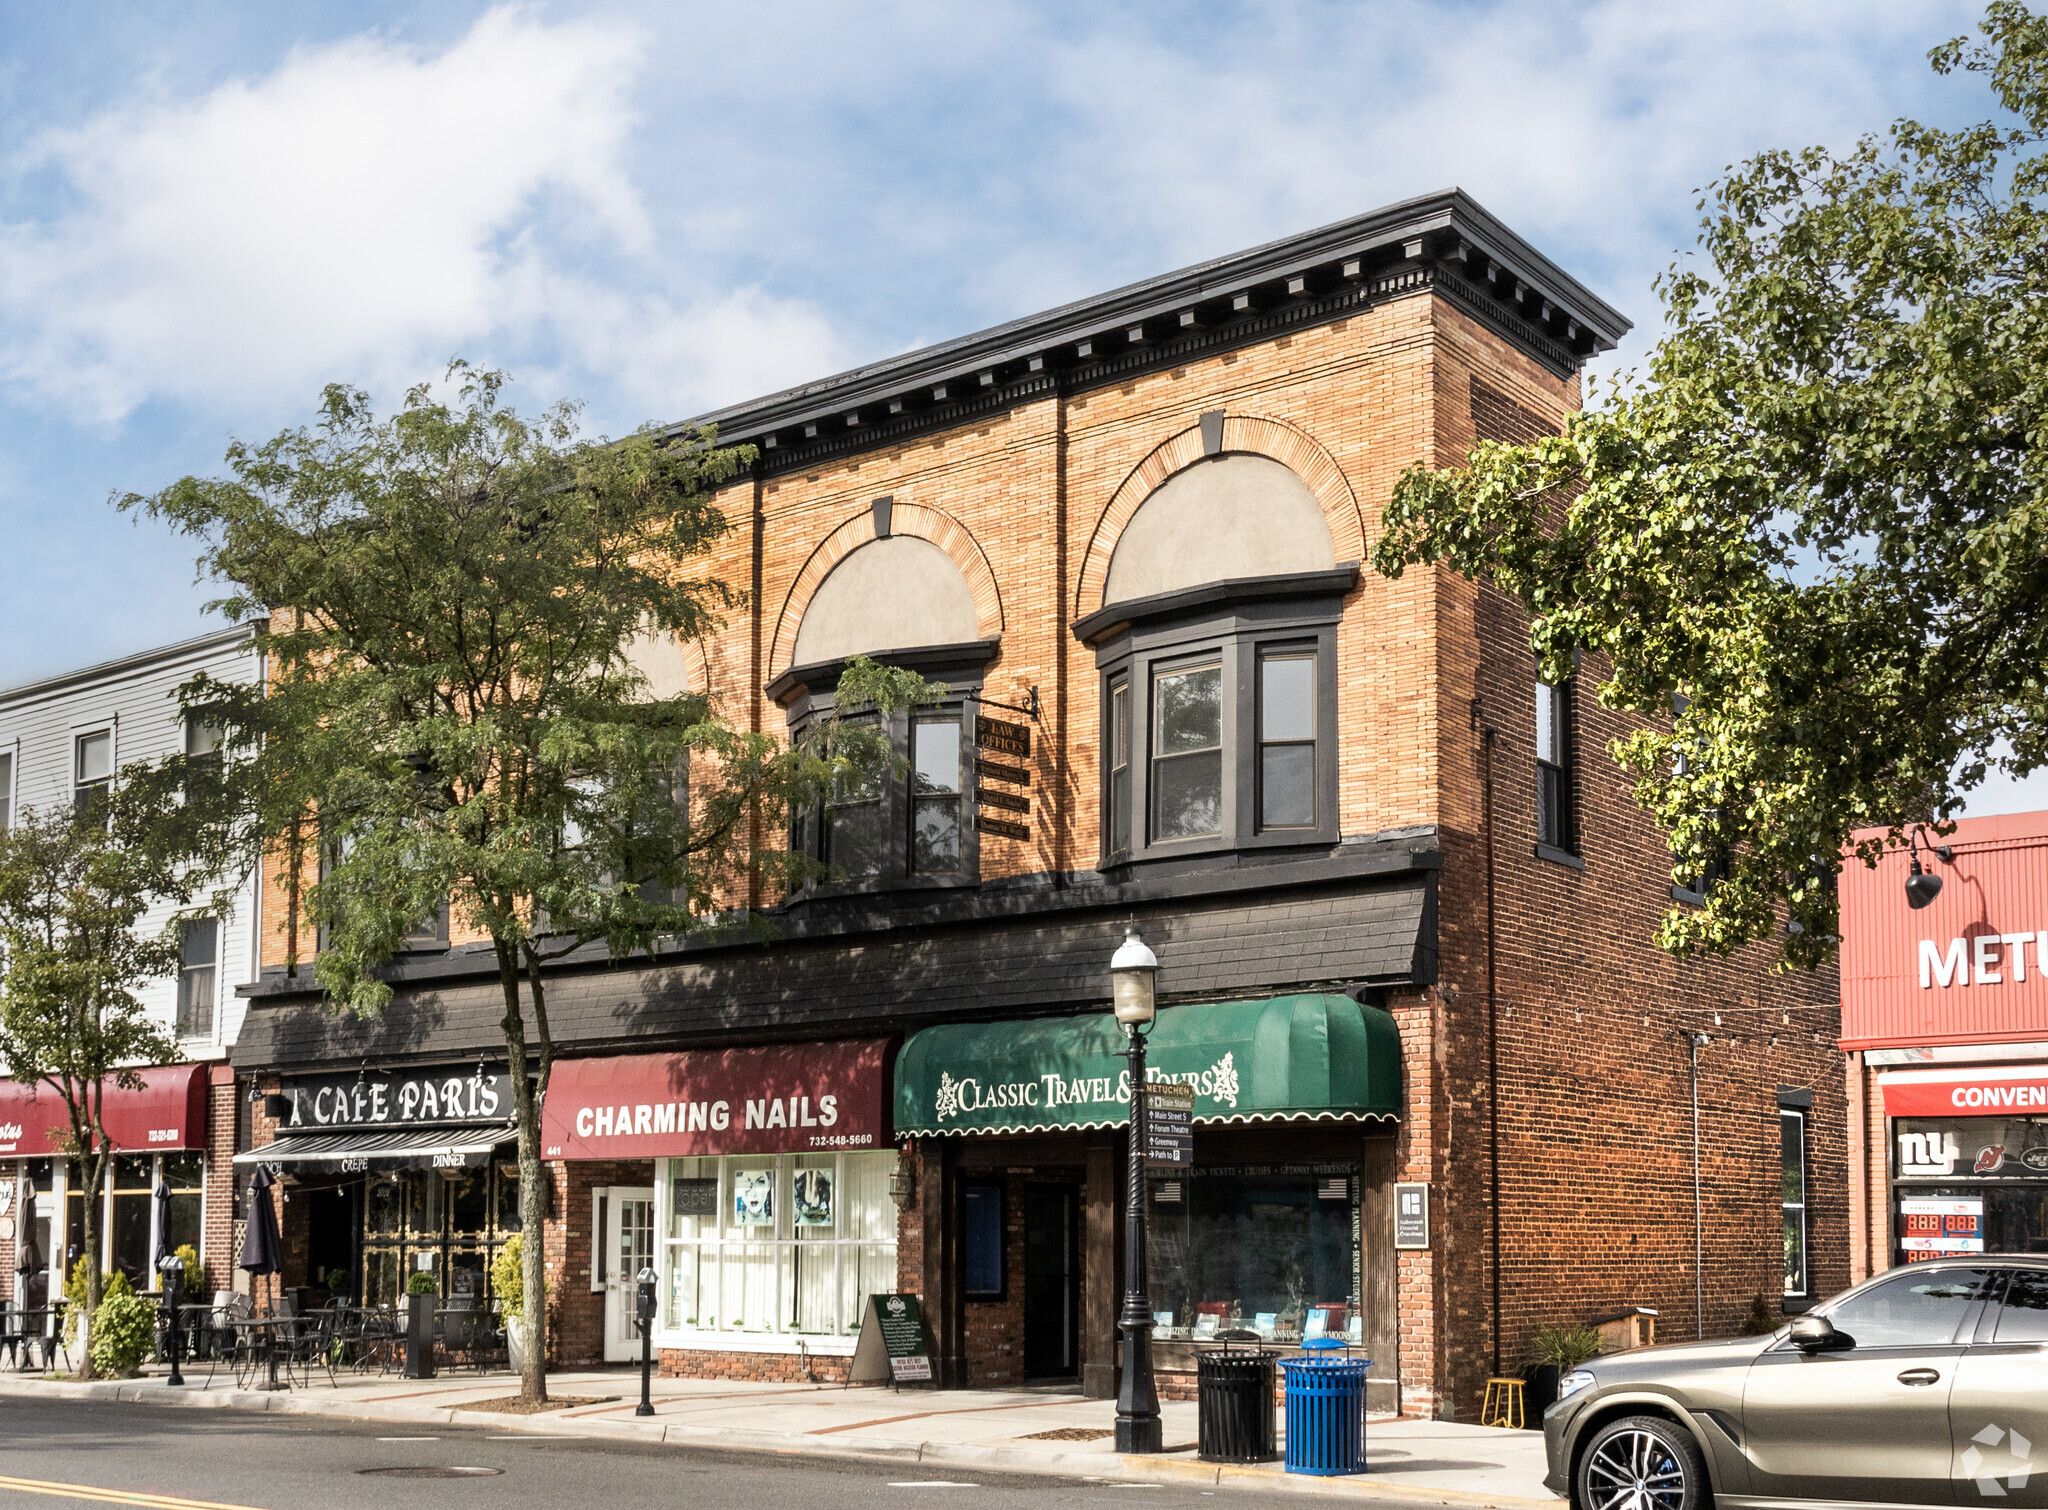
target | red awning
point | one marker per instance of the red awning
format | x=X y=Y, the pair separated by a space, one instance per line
x=167 y=1111
x=2019 y=1091
x=816 y=1097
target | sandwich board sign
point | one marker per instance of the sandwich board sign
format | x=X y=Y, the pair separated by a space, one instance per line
x=892 y=1344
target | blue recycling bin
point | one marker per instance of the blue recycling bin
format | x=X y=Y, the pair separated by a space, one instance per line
x=1325 y=1395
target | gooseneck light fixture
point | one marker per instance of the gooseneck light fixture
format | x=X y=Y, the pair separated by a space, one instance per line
x=1923 y=886
x=1131 y=976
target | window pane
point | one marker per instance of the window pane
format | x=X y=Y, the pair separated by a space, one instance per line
x=1795 y=1250
x=1187 y=796
x=2024 y=1317
x=1287 y=782
x=202 y=736
x=95 y=757
x=1188 y=709
x=1912 y=1311
x=181 y=1227
x=1120 y=810
x=1550 y=807
x=6 y=792
x=982 y=1239
x=1120 y=724
x=935 y=755
x=202 y=939
x=1792 y=1138
x=1548 y=733
x=1287 y=697
x=854 y=840
x=195 y=1003
x=935 y=836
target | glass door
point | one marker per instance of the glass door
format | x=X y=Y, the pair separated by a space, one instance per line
x=628 y=1247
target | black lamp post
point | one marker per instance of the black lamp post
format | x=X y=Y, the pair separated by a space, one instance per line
x=645 y=1300
x=172 y=1268
x=1131 y=972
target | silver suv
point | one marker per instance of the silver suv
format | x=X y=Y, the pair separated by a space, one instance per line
x=1927 y=1385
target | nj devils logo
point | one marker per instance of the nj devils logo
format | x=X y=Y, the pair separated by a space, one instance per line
x=1990 y=1159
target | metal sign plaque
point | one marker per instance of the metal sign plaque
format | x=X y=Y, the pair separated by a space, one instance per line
x=998 y=737
x=987 y=825
x=1169 y=1124
x=1411 y=1215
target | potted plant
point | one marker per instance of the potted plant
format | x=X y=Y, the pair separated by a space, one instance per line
x=422 y=1290
x=508 y=1284
x=1554 y=1351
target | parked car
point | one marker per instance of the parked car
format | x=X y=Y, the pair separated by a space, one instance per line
x=1926 y=1385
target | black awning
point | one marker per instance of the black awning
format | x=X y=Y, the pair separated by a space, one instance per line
x=407 y=1148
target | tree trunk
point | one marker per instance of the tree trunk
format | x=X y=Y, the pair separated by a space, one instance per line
x=94 y=1169
x=533 y=1195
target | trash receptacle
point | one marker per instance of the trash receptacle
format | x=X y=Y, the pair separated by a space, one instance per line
x=1234 y=1404
x=1325 y=1409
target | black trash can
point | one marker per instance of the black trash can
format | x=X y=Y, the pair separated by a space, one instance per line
x=1234 y=1405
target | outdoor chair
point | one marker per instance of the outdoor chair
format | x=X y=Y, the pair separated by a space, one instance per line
x=461 y=1333
x=309 y=1344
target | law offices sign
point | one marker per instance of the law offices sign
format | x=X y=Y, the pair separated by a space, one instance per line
x=1969 y=968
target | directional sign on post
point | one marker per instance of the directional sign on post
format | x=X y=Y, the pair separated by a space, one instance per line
x=1169 y=1124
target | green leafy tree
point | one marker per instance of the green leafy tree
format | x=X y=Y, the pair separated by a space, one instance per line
x=73 y=951
x=452 y=600
x=1811 y=543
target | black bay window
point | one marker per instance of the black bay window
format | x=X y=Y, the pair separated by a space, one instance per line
x=910 y=826
x=1219 y=712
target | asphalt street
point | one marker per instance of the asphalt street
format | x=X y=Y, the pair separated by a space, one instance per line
x=171 y=1459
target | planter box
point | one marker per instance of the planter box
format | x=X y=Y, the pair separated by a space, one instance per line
x=1539 y=1391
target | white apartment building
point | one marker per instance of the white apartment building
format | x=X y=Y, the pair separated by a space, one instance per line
x=64 y=740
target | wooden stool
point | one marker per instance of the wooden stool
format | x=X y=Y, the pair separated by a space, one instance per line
x=1503 y=1405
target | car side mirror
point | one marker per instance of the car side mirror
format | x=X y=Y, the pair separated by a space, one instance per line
x=1816 y=1334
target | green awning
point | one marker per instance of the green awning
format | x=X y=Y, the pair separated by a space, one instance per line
x=1285 y=1058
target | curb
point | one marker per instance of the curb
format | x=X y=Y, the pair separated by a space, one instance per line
x=1124 y=1469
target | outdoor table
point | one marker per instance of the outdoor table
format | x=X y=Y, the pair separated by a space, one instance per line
x=262 y=1333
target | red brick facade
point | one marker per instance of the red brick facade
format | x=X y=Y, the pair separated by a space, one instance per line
x=1577 y=1068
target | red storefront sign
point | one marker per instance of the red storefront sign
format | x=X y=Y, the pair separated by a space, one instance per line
x=770 y=1100
x=1972 y=965
x=1967 y=1093
x=167 y=1111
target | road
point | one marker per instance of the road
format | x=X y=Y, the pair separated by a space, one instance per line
x=183 y=1459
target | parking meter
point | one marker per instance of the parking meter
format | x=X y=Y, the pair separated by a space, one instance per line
x=645 y=1308
x=172 y=1268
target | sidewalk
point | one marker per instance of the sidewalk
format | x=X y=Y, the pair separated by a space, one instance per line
x=1020 y=1431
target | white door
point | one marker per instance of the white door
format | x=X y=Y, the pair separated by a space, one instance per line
x=627 y=1247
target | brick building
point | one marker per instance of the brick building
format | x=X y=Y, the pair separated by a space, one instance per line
x=1400 y=898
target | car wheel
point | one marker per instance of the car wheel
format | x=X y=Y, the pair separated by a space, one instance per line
x=1641 y=1463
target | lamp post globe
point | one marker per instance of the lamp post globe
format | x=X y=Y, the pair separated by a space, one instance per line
x=1131 y=974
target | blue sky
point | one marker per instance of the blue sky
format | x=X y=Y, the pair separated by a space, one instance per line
x=207 y=212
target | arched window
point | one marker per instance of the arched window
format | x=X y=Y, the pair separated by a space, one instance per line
x=903 y=601
x=1217 y=648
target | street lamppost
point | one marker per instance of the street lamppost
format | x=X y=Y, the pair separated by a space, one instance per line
x=1131 y=972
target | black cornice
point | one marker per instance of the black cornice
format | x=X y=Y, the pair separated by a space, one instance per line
x=1445 y=242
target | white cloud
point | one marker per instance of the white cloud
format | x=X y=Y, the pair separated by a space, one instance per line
x=363 y=211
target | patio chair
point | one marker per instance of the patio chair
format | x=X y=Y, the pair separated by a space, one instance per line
x=459 y=1331
x=309 y=1344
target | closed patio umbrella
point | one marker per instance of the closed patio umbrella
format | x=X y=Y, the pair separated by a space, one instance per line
x=263 y=1245
x=28 y=1255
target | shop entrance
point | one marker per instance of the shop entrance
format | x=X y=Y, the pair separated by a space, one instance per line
x=1052 y=1281
x=625 y=1238
x=334 y=1232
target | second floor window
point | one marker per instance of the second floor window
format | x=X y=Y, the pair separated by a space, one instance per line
x=93 y=774
x=1287 y=739
x=1187 y=752
x=197 y=974
x=1554 y=816
x=935 y=794
x=6 y=791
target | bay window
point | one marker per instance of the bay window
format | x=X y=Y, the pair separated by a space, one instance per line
x=1218 y=716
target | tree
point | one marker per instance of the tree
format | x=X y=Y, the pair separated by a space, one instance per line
x=1812 y=542
x=451 y=600
x=72 y=900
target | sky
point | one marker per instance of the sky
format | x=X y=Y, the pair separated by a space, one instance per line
x=208 y=212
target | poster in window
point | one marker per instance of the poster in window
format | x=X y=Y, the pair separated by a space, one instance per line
x=753 y=1197
x=811 y=1198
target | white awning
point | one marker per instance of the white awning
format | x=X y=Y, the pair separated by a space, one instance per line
x=358 y=1151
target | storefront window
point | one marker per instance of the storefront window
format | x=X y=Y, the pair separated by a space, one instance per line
x=448 y=1223
x=776 y=1243
x=185 y=1174
x=1271 y=1249
x=1970 y=1185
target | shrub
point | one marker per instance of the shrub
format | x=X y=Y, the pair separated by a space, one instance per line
x=508 y=1278
x=422 y=1283
x=194 y=1275
x=74 y=1291
x=1564 y=1347
x=123 y=1328
x=1763 y=1317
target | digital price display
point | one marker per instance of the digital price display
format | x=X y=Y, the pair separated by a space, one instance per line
x=1936 y=1228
